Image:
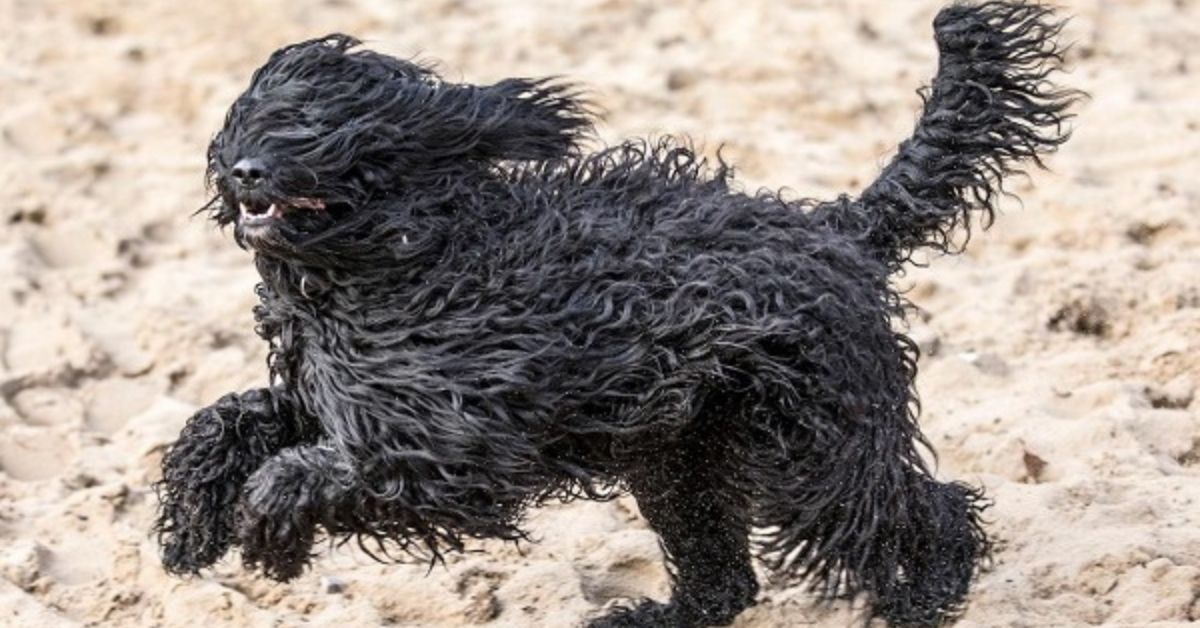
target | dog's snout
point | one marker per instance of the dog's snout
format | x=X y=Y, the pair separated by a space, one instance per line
x=248 y=172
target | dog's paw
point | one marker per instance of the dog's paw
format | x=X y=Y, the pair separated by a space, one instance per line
x=274 y=532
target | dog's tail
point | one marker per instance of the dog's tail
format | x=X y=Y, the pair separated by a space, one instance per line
x=990 y=107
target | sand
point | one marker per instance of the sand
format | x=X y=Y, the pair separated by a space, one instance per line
x=1062 y=351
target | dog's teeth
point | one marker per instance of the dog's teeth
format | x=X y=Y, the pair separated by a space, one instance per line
x=242 y=206
x=273 y=211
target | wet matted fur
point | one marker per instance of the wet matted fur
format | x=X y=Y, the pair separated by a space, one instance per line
x=469 y=315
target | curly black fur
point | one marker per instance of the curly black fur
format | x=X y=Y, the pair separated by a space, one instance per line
x=468 y=316
x=203 y=473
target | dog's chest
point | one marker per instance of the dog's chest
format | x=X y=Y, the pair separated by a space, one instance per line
x=369 y=356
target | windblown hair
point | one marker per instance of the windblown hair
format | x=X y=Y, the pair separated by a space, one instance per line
x=352 y=127
x=468 y=315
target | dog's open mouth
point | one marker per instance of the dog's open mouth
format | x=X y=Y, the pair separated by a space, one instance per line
x=258 y=212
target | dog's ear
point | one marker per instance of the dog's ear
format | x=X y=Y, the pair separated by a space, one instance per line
x=513 y=120
x=533 y=119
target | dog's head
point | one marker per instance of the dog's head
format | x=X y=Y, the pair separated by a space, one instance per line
x=327 y=134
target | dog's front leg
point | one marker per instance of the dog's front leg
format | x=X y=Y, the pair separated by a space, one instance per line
x=205 y=469
x=417 y=507
x=282 y=505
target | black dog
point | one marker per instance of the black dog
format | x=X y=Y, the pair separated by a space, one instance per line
x=468 y=316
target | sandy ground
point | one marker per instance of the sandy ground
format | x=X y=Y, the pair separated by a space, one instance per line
x=1062 y=352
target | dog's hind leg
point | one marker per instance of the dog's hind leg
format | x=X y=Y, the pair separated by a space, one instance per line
x=686 y=495
x=204 y=470
x=864 y=516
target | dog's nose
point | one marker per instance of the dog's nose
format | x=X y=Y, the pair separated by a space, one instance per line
x=248 y=172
